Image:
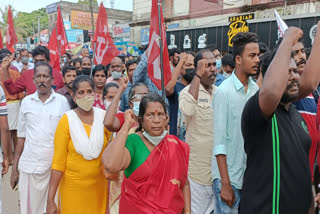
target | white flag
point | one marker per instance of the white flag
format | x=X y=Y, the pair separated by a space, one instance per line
x=282 y=26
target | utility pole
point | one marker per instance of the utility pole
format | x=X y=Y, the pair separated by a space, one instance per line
x=39 y=30
x=92 y=21
x=94 y=45
x=161 y=38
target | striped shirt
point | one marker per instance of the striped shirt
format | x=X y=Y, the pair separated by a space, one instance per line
x=3 y=103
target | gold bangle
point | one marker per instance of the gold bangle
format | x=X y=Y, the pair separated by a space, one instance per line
x=186 y=212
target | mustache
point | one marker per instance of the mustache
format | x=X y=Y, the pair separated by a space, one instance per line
x=302 y=61
x=214 y=74
x=40 y=85
x=294 y=82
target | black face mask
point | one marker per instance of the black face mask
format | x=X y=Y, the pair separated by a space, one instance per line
x=79 y=72
x=86 y=71
x=188 y=76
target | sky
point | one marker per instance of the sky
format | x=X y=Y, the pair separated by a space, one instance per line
x=31 y=5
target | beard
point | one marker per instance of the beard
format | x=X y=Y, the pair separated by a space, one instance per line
x=286 y=97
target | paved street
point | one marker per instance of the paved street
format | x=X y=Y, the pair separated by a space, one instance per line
x=9 y=197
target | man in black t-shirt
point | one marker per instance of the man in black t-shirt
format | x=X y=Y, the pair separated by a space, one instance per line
x=277 y=178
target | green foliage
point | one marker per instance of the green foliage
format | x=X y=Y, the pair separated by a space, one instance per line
x=25 y=24
x=87 y=2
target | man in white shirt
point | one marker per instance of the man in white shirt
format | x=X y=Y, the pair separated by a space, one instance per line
x=38 y=118
x=24 y=63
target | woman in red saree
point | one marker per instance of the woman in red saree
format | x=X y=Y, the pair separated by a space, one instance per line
x=155 y=164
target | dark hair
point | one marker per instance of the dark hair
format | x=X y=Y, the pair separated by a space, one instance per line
x=199 y=56
x=66 y=69
x=132 y=89
x=263 y=48
x=3 y=55
x=130 y=62
x=23 y=50
x=79 y=79
x=42 y=64
x=107 y=86
x=77 y=60
x=241 y=40
x=265 y=61
x=308 y=52
x=41 y=50
x=68 y=55
x=5 y=50
x=99 y=67
x=144 y=104
x=173 y=51
x=227 y=59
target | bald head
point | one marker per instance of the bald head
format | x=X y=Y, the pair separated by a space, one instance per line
x=86 y=62
x=116 y=64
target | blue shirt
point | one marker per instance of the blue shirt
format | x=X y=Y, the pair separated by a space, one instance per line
x=140 y=75
x=174 y=108
x=219 y=79
x=124 y=98
x=228 y=104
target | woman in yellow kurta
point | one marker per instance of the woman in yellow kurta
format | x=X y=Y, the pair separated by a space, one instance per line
x=79 y=141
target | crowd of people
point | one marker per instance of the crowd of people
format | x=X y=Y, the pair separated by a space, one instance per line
x=237 y=133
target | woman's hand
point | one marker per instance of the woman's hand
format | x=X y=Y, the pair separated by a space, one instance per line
x=52 y=208
x=129 y=118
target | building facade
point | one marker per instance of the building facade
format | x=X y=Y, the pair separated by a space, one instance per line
x=79 y=16
x=207 y=22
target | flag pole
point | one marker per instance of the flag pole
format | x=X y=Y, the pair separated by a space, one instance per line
x=59 y=48
x=161 y=50
x=94 y=52
x=94 y=46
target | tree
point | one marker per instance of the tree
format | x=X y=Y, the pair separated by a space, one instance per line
x=23 y=22
x=87 y=2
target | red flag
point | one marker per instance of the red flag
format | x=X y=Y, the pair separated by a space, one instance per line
x=54 y=50
x=154 y=70
x=1 y=45
x=62 y=38
x=11 y=37
x=105 y=49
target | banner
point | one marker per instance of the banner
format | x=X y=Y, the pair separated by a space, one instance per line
x=121 y=30
x=82 y=20
x=238 y=24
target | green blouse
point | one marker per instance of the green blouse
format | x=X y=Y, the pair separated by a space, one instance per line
x=138 y=152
